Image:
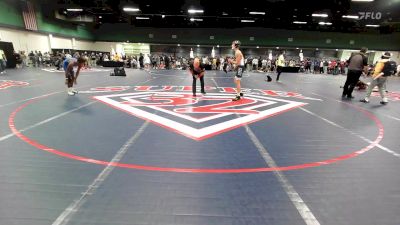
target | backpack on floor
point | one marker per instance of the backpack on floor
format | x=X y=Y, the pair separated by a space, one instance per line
x=119 y=71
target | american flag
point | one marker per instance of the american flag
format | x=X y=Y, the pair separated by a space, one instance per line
x=28 y=12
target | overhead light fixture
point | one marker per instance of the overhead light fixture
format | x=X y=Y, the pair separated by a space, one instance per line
x=217 y=46
x=337 y=49
x=247 y=21
x=362 y=0
x=317 y=49
x=193 y=11
x=198 y=45
x=130 y=9
x=142 y=18
x=100 y=17
x=372 y=25
x=224 y=14
x=320 y=15
x=299 y=22
x=258 y=47
x=277 y=47
x=325 y=23
x=179 y=45
x=75 y=10
x=195 y=19
x=257 y=13
x=163 y=16
x=297 y=48
x=350 y=17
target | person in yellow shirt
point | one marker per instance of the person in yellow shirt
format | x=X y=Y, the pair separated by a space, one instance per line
x=280 y=63
x=381 y=72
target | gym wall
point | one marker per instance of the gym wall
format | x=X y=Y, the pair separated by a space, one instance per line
x=262 y=37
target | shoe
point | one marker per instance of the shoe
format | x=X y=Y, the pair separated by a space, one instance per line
x=74 y=91
x=343 y=96
x=70 y=93
x=364 y=100
x=237 y=98
x=269 y=79
x=241 y=94
x=384 y=102
x=203 y=92
x=350 y=97
x=194 y=95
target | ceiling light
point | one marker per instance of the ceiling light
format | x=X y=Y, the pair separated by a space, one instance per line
x=129 y=9
x=320 y=15
x=224 y=14
x=162 y=16
x=350 y=17
x=100 y=17
x=297 y=48
x=142 y=18
x=179 y=44
x=257 y=13
x=299 y=22
x=247 y=21
x=258 y=47
x=198 y=45
x=372 y=25
x=325 y=23
x=277 y=47
x=362 y=0
x=75 y=10
x=192 y=11
x=217 y=46
x=195 y=19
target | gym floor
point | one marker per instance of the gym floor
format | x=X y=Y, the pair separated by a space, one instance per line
x=141 y=150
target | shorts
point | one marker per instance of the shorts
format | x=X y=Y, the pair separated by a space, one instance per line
x=70 y=76
x=239 y=72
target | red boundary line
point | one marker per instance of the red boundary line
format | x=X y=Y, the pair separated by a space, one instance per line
x=37 y=145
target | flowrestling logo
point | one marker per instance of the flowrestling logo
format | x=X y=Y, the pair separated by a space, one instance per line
x=204 y=116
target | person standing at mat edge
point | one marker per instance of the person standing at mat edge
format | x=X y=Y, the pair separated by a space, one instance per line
x=197 y=69
x=238 y=65
x=70 y=77
x=280 y=63
x=383 y=69
x=3 y=62
x=358 y=63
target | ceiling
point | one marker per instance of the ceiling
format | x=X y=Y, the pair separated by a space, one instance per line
x=227 y=14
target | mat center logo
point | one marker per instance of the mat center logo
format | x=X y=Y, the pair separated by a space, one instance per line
x=198 y=117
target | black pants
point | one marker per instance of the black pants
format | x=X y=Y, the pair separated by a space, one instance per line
x=279 y=70
x=352 y=78
x=194 y=84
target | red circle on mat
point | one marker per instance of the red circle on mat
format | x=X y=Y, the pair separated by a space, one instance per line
x=194 y=170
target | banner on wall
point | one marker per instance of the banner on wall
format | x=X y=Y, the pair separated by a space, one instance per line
x=135 y=48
